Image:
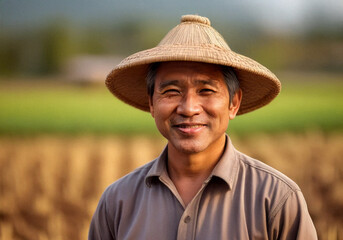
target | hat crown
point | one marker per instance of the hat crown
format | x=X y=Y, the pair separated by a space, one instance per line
x=194 y=30
x=196 y=18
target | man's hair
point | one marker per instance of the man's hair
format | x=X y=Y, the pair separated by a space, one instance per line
x=230 y=79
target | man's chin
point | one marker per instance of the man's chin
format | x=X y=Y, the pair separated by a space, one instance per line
x=189 y=147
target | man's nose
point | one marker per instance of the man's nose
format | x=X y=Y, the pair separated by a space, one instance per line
x=189 y=105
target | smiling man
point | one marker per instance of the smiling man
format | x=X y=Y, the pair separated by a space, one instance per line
x=200 y=187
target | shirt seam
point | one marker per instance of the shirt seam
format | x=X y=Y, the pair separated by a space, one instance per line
x=279 y=206
x=107 y=222
x=283 y=200
x=293 y=188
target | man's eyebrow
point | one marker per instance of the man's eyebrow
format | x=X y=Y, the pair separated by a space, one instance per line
x=168 y=83
x=211 y=82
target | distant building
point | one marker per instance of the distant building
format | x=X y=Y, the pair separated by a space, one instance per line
x=90 y=69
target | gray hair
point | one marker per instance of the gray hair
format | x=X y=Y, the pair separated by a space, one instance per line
x=230 y=79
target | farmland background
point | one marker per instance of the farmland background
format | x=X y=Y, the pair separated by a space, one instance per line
x=64 y=138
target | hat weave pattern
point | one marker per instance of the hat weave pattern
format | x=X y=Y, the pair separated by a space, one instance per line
x=193 y=40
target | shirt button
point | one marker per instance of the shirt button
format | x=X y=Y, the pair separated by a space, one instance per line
x=187 y=219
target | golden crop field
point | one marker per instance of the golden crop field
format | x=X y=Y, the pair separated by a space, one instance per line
x=50 y=185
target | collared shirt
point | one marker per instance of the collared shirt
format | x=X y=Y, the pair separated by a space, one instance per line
x=242 y=199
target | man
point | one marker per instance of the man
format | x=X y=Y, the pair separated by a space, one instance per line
x=200 y=187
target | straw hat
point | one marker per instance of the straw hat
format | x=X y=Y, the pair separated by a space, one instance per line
x=193 y=40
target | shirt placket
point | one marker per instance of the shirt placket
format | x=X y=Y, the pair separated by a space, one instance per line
x=188 y=221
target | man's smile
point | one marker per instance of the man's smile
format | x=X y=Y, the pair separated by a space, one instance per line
x=189 y=128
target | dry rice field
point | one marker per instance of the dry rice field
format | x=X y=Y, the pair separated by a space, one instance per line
x=50 y=185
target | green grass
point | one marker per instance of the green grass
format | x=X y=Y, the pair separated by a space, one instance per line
x=35 y=108
x=301 y=106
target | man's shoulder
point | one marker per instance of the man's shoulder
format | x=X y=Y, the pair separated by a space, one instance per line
x=265 y=173
x=127 y=184
x=265 y=185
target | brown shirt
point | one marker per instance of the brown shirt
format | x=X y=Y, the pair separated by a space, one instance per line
x=242 y=199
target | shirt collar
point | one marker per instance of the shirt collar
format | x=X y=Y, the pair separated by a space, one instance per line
x=226 y=169
x=228 y=165
x=158 y=168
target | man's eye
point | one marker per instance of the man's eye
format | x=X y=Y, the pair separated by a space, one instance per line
x=171 y=91
x=207 y=90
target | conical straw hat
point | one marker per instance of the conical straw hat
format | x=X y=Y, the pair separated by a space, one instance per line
x=193 y=40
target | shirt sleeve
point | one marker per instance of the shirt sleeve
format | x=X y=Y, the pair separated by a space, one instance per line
x=293 y=220
x=100 y=228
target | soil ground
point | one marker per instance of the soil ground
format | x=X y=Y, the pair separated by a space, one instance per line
x=50 y=185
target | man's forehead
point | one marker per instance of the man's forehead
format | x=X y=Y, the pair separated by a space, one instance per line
x=206 y=70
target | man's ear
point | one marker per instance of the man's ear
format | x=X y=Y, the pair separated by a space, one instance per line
x=151 y=106
x=235 y=104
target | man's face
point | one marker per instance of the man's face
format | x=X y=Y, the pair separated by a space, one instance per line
x=191 y=106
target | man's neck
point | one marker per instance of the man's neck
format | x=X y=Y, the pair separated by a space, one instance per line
x=189 y=171
x=192 y=164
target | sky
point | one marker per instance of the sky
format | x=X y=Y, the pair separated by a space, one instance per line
x=280 y=15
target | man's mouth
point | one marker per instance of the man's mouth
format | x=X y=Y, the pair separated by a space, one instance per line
x=189 y=128
x=189 y=125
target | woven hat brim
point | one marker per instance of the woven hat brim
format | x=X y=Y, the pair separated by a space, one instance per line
x=128 y=80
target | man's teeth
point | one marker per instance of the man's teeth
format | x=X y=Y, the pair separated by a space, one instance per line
x=190 y=126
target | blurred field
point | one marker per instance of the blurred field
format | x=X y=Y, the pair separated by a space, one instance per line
x=307 y=102
x=50 y=186
x=61 y=144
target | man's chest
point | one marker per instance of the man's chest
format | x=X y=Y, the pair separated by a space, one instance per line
x=212 y=214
